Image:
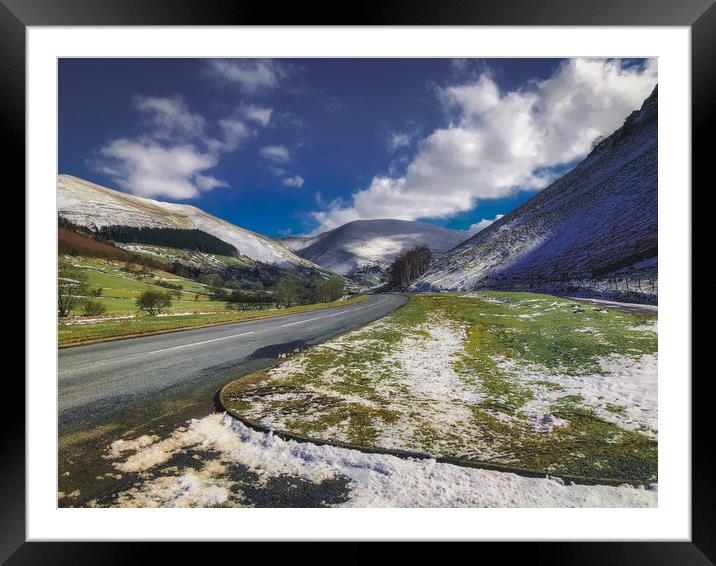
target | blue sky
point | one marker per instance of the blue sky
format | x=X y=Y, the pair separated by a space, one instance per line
x=295 y=146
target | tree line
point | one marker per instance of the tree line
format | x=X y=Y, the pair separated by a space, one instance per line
x=180 y=238
x=408 y=266
x=289 y=291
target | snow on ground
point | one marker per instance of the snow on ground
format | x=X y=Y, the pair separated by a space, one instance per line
x=415 y=381
x=419 y=395
x=438 y=398
x=377 y=243
x=625 y=392
x=94 y=206
x=374 y=480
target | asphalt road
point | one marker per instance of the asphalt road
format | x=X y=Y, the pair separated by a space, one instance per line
x=99 y=380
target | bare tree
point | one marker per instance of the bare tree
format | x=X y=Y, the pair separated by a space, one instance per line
x=409 y=265
x=72 y=286
x=288 y=291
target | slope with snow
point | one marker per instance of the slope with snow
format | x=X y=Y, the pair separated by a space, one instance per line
x=596 y=223
x=372 y=243
x=94 y=206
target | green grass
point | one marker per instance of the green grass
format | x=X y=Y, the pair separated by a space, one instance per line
x=354 y=389
x=545 y=330
x=72 y=334
x=120 y=291
x=118 y=284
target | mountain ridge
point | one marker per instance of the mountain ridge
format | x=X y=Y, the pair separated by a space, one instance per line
x=366 y=244
x=597 y=219
x=94 y=206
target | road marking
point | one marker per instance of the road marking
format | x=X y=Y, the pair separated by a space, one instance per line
x=199 y=343
x=100 y=363
x=334 y=314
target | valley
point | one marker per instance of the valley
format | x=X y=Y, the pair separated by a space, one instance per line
x=383 y=362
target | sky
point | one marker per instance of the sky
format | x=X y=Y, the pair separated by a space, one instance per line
x=290 y=147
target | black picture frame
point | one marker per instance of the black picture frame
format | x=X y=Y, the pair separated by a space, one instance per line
x=699 y=15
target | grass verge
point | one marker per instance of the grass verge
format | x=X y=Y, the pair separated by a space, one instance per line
x=517 y=380
x=78 y=334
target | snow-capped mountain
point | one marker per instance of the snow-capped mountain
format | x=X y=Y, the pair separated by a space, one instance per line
x=365 y=244
x=596 y=222
x=94 y=206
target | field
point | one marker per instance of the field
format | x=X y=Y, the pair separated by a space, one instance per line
x=518 y=380
x=120 y=290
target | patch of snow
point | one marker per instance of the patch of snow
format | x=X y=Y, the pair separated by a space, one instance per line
x=623 y=382
x=374 y=480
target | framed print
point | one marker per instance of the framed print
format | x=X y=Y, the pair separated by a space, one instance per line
x=395 y=278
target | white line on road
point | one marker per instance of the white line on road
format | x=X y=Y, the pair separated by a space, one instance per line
x=200 y=343
x=334 y=314
x=100 y=363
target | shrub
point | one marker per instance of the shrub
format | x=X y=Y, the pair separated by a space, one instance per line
x=154 y=301
x=92 y=307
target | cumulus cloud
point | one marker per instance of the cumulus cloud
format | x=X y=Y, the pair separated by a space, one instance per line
x=173 y=158
x=276 y=153
x=498 y=143
x=482 y=224
x=146 y=168
x=295 y=181
x=251 y=76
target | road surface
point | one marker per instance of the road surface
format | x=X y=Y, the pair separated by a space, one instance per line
x=637 y=309
x=99 y=380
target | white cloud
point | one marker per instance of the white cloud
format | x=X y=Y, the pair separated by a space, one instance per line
x=261 y=115
x=251 y=76
x=276 y=153
x=398 y=140
x=146 y=168
x=482 y=224
x=208 y=182
x=295 y=181
x=234 y=132
x=501 y=142
x=173 y=158
x=170 y=118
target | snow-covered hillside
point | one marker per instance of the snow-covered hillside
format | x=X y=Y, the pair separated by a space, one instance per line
x=594 y=228
x=372 y=243
x=94 y=206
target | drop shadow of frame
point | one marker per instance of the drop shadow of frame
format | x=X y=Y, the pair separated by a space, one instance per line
x=700 y=15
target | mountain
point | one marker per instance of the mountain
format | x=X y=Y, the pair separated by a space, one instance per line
x=96 y=207
x=588 y=231
x=371 y=244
